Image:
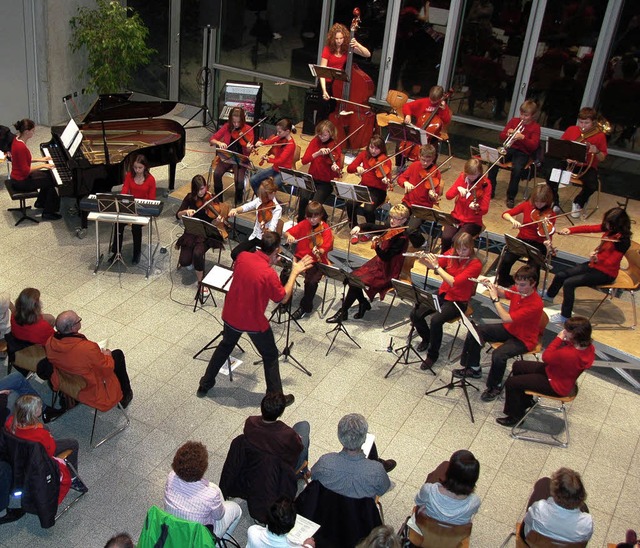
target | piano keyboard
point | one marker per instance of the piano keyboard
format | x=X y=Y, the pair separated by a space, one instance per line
x=147 y=208
x=61 y=173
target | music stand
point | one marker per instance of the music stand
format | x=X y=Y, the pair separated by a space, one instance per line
x=420 y=297
x=298 y=180
x=328 y=73
x=407 y=132
x=569 y=151
x=463 y=382
x=341 y=276
x=523 y=249
x=350 y=192
x=118 y=204
x=218 y=279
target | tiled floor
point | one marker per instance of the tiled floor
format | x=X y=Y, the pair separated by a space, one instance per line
x=153 y=322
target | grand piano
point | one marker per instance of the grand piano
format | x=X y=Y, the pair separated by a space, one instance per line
x=114 y=131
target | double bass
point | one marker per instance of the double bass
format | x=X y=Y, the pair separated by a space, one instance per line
x=429 y=122
x=355 y=92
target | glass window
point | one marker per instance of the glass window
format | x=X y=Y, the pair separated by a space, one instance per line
x=562 y=63
x=420 y=37
x=620 y=91
x=191 y=43
x=153 y=78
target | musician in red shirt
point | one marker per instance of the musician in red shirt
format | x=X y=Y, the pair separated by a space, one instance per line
x=142 y=185
x=586 y=131
x=254 y=284
x=280 y=155
x=324 y=157
x=26 y=177
x=603 y=265
x=421 y=109
x=518 y=331
x=237 y=136
x=314 y=239
x=526 y=141
x=374 y=169
x=455 y=288
x=472 y=194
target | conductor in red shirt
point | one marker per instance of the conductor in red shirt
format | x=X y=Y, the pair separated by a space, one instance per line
x=254 y=284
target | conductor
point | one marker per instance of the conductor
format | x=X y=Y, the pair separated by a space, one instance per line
x=254 y=283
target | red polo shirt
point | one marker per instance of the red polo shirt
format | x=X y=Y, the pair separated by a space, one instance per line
x=254 y=284
x=525 y=313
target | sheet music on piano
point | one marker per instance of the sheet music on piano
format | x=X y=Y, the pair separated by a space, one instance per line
x=71 y=137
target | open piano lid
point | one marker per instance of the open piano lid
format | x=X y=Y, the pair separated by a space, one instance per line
x=117 y=106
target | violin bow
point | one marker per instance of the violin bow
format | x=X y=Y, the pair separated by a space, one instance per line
x=437 y=168
x=546 y=219
x=383 y=230
x=347 y=137
x=320 y=231
x=344 y=113
x=243 y=134
x=383 y=161
x=213 y=198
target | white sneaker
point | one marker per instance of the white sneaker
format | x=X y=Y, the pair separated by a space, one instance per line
x=556 y=209
x=576 y=210
x=558 y=318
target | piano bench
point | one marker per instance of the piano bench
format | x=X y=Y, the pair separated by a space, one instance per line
x=21 y=197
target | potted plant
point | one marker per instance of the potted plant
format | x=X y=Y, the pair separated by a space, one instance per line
x=116 y=41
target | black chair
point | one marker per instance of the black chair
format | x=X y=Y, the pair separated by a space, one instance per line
x=21 y=197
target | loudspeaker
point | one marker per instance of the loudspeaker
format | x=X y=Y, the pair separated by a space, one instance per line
x=210 y=13
x=312 y=102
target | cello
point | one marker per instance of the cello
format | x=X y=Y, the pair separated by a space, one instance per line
x=355 y=93
x=429 y=122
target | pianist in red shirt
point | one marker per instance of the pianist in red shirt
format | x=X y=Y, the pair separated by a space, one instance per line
x=142 y=185
x=27 y=177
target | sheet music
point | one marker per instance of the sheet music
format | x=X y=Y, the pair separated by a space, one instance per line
x=231 y=365
x=219 y=278
x=368 y=443
x=488 y=154
x=302 y=530
x=467 y=323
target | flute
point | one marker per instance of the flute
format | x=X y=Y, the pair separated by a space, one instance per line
x=505 y=289
x=423 y=254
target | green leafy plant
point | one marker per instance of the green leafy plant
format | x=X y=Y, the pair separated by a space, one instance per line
x=116 y=41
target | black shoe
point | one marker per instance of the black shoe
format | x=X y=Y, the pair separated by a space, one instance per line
x=38 y=205
x=339 y=316
x=126 y=399
x=13 y=514
x=201 y=392
x=508 y=420
x=78 y=485
x=51 y=216
x=510 y=203
x=362 y=309
x=288 y=399
x=388 y=464
x=423 y=346
x=51 y=413
x=136 y=258
x=466 y=372
x=427 y=364
x=490 y=394
x=299 y=314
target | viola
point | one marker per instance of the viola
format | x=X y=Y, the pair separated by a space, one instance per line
x=356 y=91
x=215 y=211
x=431 y=123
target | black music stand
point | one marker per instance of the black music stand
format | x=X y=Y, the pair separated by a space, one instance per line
x=442 y=218
x=204 y=108
x=354 y=193
x=525 y=250
x=407 y=132
x=463 y=382
x=343 y=277
x=318 y=71
x=119 y=204
x=284 y=310
x=420 y=297
x=299 y=180
x=569 y=151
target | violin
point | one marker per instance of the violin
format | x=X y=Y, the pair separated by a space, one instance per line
x=214 y=210
x=543 y=218
x=238 y=136
x=388 y=234
x=317 y=239
x=380 y=164
x=265 y=212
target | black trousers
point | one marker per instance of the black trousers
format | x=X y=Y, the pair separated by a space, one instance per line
x=136 y=231
x=42 y=181
x=433 y=334
x=249 y=245
x=518 y=159
x=509 y=259
x=323 y=191
x=525 y=375
x=120 y=371
x=265 y=344
x=238 y=177
x=450 y=232
x=378 y=197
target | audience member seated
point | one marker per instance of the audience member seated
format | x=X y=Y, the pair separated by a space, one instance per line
x=7 y=515
x=28 y=323
x=104 y=371
x=381 y=537
x=281 y=518
x=11 y=388
x=273 y=436
x=447 y=494
x=350 y=472
x=557 y=510
x=189 y=496
x=121 y=540
x=26 y=423
x=6 y=310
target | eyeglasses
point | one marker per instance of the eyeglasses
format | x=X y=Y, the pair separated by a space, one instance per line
x=77 y=322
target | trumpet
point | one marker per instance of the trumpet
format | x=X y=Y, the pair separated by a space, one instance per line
x=506 y=289
x=510 y=139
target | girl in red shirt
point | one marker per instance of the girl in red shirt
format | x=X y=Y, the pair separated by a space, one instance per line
x=375 y=179
x=238 y=132
x=564 y=360
x=142 y=185
x=27 y=177
x=472 y=202
x=539 y=204
x=282 y=155
x=28 y=324
x=324 y=164
x=603 y=265
x=455 y=288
